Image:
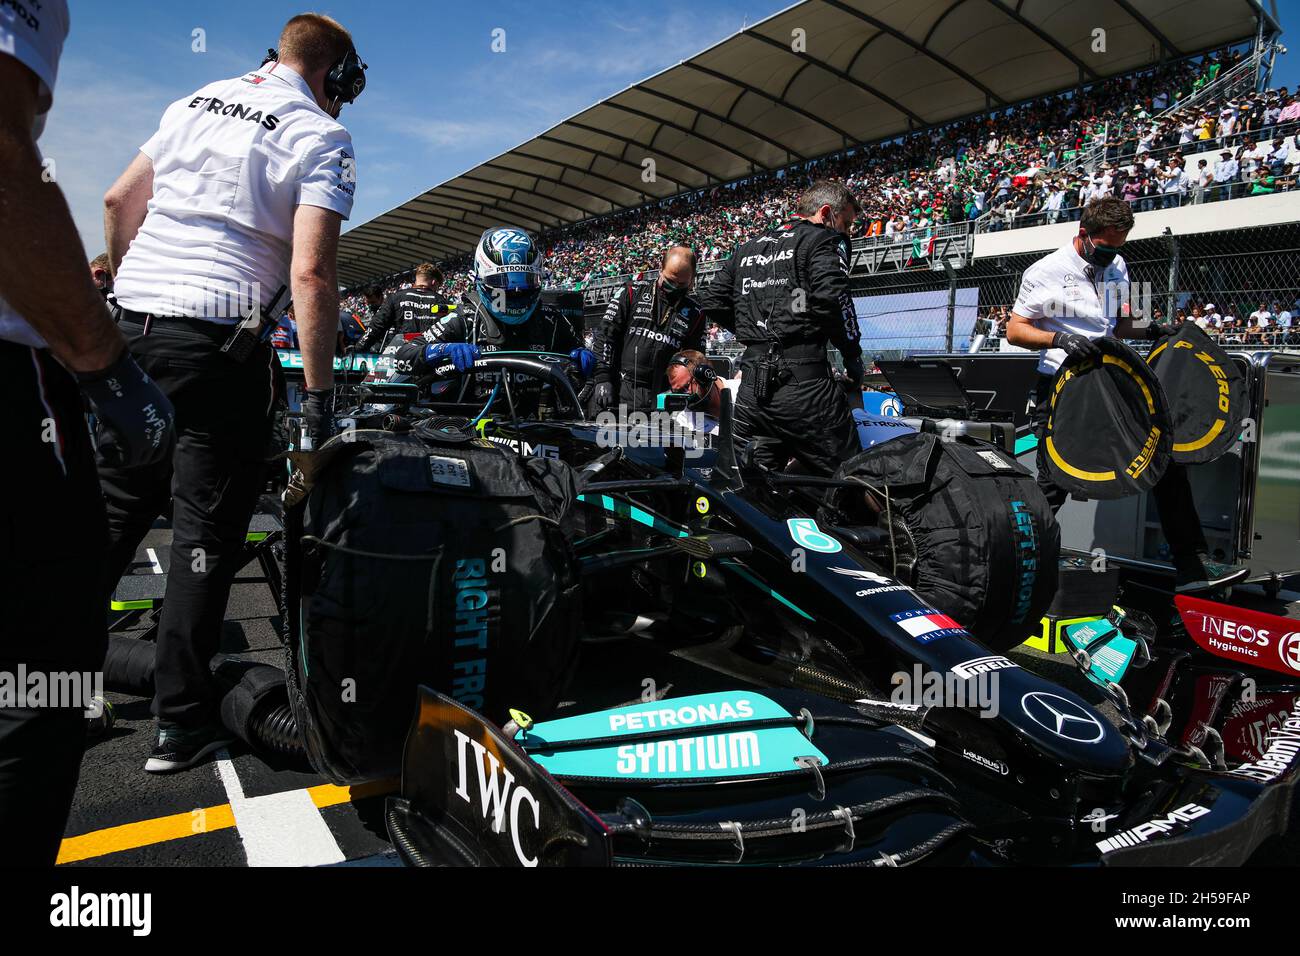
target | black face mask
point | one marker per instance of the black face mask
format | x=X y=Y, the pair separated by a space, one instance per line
x=673 y=292
x=1098 y=255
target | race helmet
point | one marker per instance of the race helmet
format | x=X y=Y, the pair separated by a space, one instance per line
x=508 y=274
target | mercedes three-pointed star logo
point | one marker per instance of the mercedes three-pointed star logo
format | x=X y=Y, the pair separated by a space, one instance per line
x=1062 y=717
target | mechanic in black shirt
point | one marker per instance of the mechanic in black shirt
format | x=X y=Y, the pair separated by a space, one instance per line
x=416 y=308
x=785 y=295
x=502 y=313
x=645 y=324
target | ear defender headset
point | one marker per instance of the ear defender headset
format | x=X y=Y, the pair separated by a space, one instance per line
x=344 y=81
x=346 y=78
x=702 y=375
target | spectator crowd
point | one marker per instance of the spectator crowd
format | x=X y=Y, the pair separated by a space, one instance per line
x=1242 y=323
x=1014 y=166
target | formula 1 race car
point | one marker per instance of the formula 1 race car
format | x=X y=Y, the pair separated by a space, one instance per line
x=868 y=700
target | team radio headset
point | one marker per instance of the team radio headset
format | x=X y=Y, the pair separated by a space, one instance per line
x=344 y=81
x=702 y=375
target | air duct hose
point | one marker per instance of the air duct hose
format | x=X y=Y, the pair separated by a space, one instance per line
x=254 y=705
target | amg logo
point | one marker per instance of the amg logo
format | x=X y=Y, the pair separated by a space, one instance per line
x=494 y=796
x=982 y=665
x=1143 y=832
x=529 y=450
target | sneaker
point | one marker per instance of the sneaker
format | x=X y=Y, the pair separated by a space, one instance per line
x=179 y=748
x=1198 y=574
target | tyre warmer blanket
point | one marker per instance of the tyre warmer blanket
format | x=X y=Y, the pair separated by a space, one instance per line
x=430 y=558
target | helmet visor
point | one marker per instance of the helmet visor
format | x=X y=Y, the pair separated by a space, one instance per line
x=515 y=281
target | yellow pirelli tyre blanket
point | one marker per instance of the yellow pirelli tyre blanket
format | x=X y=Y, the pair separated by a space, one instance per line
x=1206 y=393
x=1108 y=433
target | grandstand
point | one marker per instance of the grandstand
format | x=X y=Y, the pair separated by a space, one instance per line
x=969 y=166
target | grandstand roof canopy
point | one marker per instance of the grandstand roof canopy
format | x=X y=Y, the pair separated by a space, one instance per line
x=815 y=78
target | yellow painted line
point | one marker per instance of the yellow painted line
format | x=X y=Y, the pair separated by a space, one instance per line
x=328 y=795
x=132 y=836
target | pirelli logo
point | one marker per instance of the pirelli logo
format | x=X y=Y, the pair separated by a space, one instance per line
x=1143 y=460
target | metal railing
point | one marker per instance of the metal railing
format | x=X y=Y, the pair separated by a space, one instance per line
x=1241 y=78
x=1218 y=192
x=869 y=254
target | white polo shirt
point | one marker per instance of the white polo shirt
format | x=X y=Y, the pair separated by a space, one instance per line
x=1063 y=293
x=231 y=163
x=33 y=35
x=703 y=422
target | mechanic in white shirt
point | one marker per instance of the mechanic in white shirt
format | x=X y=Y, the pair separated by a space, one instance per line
x=1067 y=300
x=241 y=191
x=58 y=346
x=690 y=372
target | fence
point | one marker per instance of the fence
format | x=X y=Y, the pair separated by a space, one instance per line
x=925 y=311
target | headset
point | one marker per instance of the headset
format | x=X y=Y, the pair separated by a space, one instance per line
x=344 y=81
x=704 y=375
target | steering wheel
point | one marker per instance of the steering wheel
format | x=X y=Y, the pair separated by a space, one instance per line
x=548 y=367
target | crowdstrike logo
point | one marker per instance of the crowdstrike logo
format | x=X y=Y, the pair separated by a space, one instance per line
x=1159 y=827
x=869 y=577
x=1062 y=717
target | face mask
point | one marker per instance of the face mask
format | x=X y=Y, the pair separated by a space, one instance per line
x=672 y=291
x=1096 y=254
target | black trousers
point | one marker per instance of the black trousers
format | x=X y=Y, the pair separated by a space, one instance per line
x=52 y=548
x=808 y=420
x=212 y=483
x=638 y=399
x=1173 y=492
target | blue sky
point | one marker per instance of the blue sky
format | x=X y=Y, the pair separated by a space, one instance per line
x=438 y=99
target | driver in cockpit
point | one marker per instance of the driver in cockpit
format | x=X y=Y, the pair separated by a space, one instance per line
x=503 y=313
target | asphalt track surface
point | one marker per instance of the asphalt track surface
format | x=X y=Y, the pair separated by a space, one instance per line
x=239 y=810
